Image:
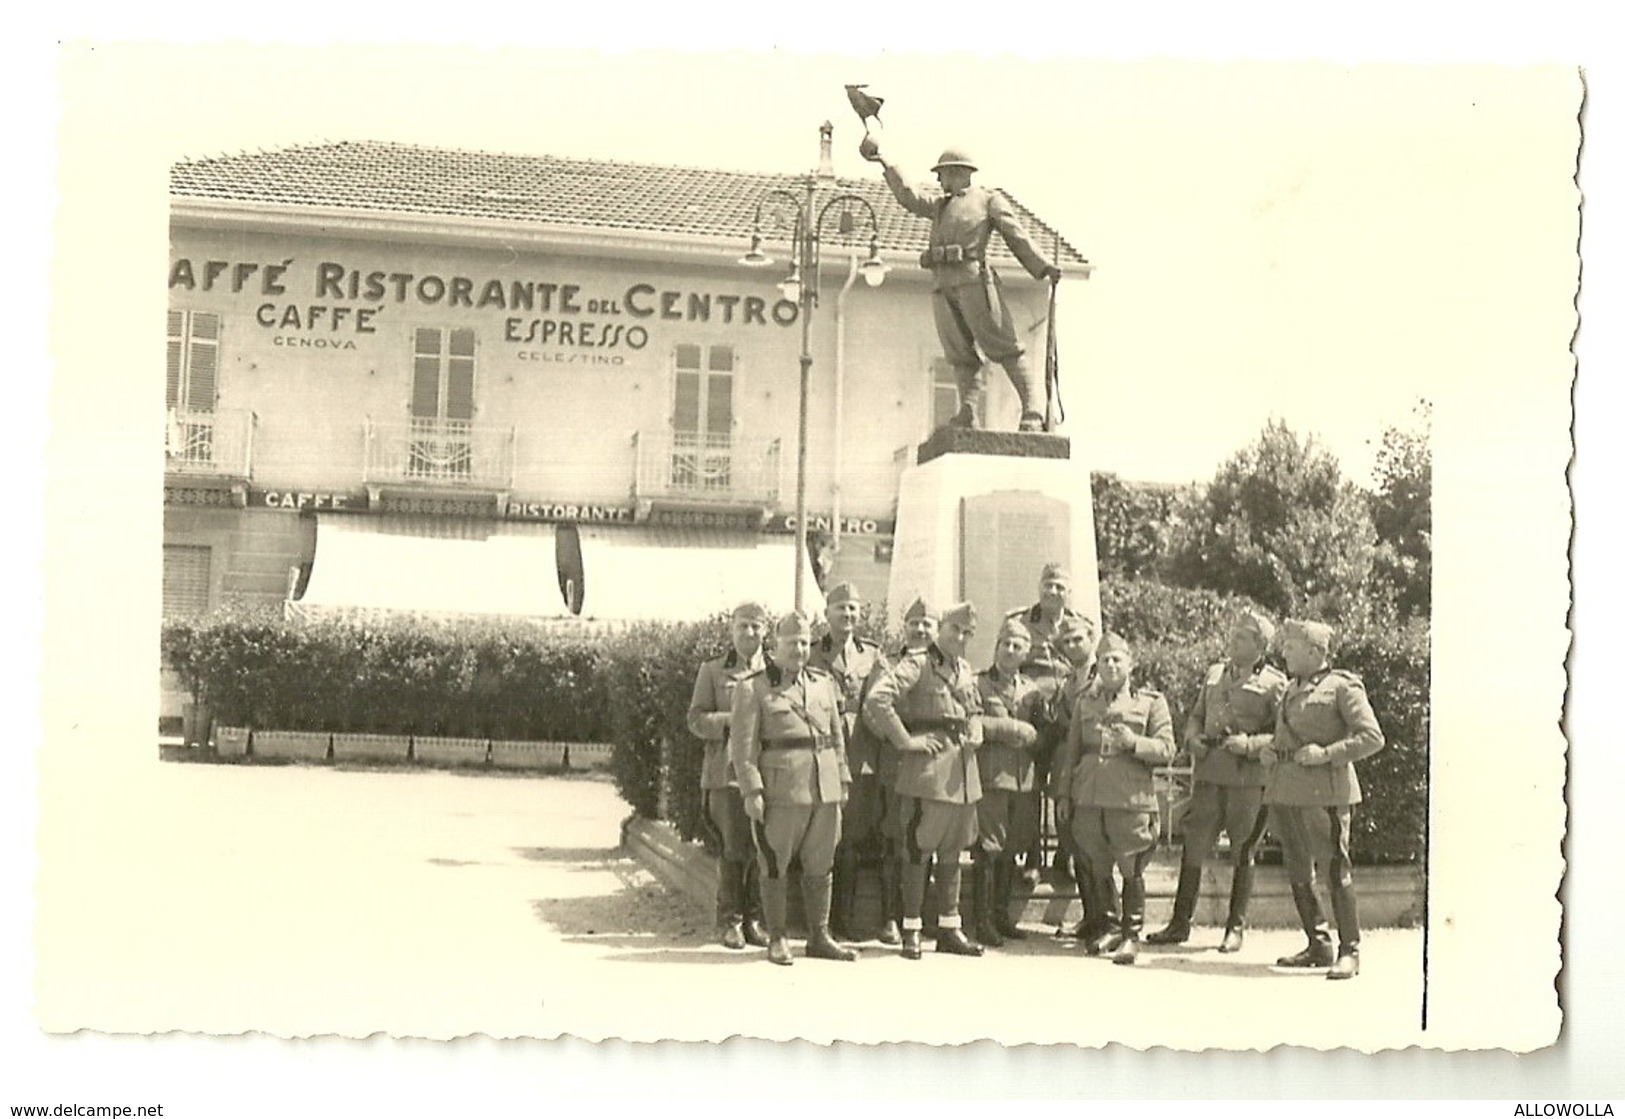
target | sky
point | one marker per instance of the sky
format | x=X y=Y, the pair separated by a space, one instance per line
x=1320 y=243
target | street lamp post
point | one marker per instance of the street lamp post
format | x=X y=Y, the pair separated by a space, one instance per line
x=800 y=287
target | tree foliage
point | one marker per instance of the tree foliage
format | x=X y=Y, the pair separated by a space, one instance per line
x=1402 y=513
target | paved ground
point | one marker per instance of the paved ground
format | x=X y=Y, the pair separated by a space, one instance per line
x=302 y=900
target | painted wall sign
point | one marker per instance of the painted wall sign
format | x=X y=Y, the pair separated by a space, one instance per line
x=299 y=501
x=339 y=300
x=823 y=522
x=569 y=512
x=678 y=516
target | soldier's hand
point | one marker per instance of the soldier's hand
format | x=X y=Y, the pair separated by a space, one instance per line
x=1268 y=755
x=923 y=744
x=1052 y=274
x=1311 y=755
x=869 y=149
x=1026 y=735
x=1198 y=748
x=1236 y=744
x=754 y=807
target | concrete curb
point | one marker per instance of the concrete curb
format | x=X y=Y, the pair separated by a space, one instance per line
x=1389 y=896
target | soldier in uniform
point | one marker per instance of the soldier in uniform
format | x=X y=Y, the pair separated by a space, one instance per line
x=968 y=304
x=1230 y=724
x=1047 y=668
x=709 y=715
x=851 y=659
x=1075 y=642
x=789 y=749
x=1007 y=813
x=1325 y=725
x=1102 y=785
x=919 y=632
x=928 y=708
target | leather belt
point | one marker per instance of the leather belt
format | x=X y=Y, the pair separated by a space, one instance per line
x=949 y=254
x=806 y=742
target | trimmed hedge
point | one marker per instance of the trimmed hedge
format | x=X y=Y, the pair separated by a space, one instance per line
x=456 y=679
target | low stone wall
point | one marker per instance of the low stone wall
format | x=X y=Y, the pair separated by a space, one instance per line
x=1389 y=896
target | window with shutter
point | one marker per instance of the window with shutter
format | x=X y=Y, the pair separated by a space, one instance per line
x=702 y=417
x=186 y=580
x=441 y=446
x=192 y=385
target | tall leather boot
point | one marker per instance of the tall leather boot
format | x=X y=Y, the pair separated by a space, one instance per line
x=755 y=930
x=1241 y=892
x=1319 y=951
x=843 y=895
x=972 y=399
x=891 y=901
x=815 y=891
x=982 y=890
x=1178 y=928
x=1004 y=884
x=1133 y=920
x=913 y=902
x=776 y=903
x=1346 y=911
x=950 y=935
x=731 y=903
x=1021 y=379
x=1110 y=938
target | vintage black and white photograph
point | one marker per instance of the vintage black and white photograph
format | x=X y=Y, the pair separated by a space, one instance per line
x=905 y=548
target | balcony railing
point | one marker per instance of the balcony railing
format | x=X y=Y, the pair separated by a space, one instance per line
x=422 y=452
x=209 y=444
x=717 y=468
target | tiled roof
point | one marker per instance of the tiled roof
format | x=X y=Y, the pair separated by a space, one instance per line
x=551 y=190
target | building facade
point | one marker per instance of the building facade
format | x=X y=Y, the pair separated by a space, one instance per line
x=411 y=378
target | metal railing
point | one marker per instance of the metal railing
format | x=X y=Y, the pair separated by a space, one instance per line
x=217 y=444
x=432 y=452
x=719 y=468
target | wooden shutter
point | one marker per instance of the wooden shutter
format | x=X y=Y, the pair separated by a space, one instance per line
x=186 y=580
x=202 y=361
x=177 y=342
x=719 y=391
x=686 y=406
x=460 y=376
x=426 y=373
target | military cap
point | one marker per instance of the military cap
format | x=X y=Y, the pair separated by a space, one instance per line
x=750 y=612
x=1015 y=627
x=1074 y=625
x=962 y=615
x=1055 y=572
x=1256 y=624
x=920 y=608
x=793 y=624
x=1318 y=634
x=1113 y=643
x=842 y=592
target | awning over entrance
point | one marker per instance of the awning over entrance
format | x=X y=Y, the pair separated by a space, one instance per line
x=646 y=573
x=434 y=565
x=459 y=566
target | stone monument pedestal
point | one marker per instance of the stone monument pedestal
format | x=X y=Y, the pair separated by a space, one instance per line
x=979 y=514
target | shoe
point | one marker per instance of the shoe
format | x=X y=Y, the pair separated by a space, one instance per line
x=1232 y=939
x=911 y=944
x=1004 y=882
x=1031 y=421
x=822 y=946
x=889 y=933
x=1127 y=952
x=953 y=942
x=1346 y=967
x=1106 y=943
x=1172 y=933
x=755 y=934
x=963 y=418
x=778 y=950
x=1315 y=955
x=734 y=936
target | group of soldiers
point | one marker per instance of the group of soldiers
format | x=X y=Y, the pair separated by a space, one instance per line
x=820 y=753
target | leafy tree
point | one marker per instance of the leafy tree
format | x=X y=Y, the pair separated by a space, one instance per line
x=1402 y=512
x=1279 y=524
x=1132 y=522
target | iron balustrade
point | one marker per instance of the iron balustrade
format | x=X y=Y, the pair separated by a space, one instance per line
x=437 y=452
x=700 y=466
x=212 y=444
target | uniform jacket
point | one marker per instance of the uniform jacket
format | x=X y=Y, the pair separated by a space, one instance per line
x=1327 y=708
x=1045 y=666
x=851 y=667
x=876 y=742
x=930 y=693
x=788 y=738
x=1010 y=702
x=1234 y=703
x=708 y=713
x=1121 y=780
x=1059 y=707
x=968 y=219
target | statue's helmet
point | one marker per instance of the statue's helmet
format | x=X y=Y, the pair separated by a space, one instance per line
x=954 y=157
